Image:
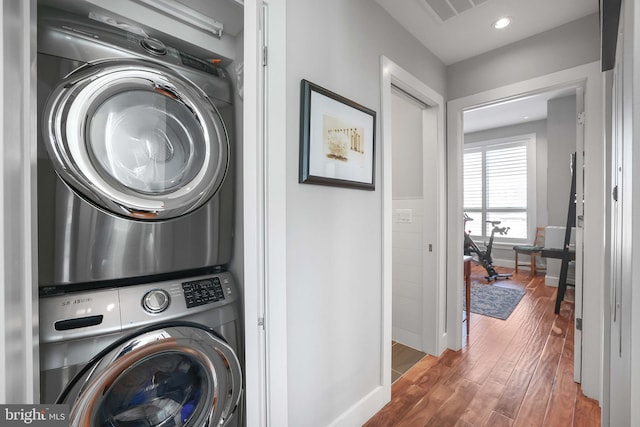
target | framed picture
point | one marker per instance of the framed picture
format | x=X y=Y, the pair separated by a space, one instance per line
x=337 y=140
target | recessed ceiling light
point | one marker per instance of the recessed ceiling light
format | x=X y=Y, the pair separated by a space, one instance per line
x=502 y=23
x=525 y=117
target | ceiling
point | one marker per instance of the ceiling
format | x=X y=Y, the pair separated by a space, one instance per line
x=469 y=33
x=455 y=30
x=513 y=111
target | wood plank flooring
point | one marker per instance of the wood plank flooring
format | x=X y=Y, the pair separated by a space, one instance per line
x=517 y=372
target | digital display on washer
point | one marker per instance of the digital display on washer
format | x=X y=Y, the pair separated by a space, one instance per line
x=197 y=63
x=203 y=291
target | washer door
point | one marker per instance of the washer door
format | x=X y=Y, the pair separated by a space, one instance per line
x=136 y=139
x=171 y=376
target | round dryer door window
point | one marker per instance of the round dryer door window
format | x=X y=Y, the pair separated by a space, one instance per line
x=136 y=139
x=172 y=376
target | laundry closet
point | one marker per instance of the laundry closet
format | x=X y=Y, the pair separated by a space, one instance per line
x=139 y=191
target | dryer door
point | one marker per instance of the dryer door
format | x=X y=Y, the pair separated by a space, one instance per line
x=136 y=139
x=170 y=376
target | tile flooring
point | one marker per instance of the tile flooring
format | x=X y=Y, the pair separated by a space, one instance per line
x=402 y=359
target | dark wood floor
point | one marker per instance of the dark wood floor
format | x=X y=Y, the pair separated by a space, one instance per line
x=517 y=372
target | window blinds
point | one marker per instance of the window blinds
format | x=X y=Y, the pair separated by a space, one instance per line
x=495 y=187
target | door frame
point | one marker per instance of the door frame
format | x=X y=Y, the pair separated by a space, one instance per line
x=393 y=74
x=589 y=77
x=19 y=363
x=264 y=213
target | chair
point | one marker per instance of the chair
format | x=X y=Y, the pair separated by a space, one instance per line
x=533 y=251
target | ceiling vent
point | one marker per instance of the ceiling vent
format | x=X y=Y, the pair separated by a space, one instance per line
x=444 y=10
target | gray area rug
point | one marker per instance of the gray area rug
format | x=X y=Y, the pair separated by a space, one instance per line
x=494 y=301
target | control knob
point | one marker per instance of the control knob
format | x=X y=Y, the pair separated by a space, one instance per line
x=156 y=301
x=154 y=46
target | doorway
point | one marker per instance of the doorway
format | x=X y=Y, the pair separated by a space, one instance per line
x=414 y=244
x=549 y=134
x=530 y=139
x=414 y=136
x=585 y=77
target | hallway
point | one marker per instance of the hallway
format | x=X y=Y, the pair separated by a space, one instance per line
x=517 y=372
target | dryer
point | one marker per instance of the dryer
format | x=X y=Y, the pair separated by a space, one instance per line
x=160 y=354
x=134 y=169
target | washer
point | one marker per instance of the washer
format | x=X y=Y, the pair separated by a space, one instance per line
x=134 y=149
x=156 y=354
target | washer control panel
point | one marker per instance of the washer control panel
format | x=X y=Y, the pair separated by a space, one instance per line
x=153 y=46
x=203 y=291
x=101 y=312
x=156 y=301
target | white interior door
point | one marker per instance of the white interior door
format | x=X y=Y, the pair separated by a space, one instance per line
x=616 y=409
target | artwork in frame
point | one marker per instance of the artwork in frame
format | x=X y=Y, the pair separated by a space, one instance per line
x=337 y=140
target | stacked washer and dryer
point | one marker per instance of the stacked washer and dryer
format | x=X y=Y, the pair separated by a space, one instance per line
x=139 y=319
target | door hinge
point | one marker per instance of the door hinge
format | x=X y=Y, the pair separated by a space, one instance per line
x=581 y=118
x=264 y=56
x=579 y=324
x=615 y=193
x=261 y=322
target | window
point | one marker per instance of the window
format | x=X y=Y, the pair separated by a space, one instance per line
x=499 y=185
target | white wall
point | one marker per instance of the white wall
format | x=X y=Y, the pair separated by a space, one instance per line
x=561 y=137
x=333 y=262
x=567 y=46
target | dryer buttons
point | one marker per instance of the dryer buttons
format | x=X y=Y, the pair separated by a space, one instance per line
x=156 y=301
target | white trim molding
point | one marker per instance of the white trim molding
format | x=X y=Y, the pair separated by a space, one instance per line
x=19 y=362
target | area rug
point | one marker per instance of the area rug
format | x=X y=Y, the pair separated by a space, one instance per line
x=494 y=301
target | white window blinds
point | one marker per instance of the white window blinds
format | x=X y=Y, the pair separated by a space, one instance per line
x=506 y=177
x=496 y=187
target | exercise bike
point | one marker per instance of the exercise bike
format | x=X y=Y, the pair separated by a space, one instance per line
x=484 y=257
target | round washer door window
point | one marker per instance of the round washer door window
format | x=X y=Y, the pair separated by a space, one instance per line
x=174 y=376
x=136 y=139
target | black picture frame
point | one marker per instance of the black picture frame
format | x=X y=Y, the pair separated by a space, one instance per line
x=337 y=140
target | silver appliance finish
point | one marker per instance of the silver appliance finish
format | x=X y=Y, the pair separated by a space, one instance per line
x=147 y=323
x=104 y=216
